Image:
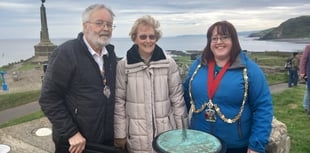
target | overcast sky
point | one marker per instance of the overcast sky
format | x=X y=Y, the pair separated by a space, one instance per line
x=21 y=18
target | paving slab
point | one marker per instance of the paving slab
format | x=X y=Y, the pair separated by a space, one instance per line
x=22 y=138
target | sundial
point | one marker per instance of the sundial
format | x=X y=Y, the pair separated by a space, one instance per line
x=185 y=141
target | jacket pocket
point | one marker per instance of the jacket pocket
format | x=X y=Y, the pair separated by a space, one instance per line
x=162 y=125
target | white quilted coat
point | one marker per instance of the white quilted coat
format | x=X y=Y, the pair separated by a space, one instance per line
x=149 y=101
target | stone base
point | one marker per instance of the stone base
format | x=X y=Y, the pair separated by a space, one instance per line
x=44 y=49
x=39 y=59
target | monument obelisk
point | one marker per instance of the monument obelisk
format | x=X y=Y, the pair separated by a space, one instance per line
x=45 y=47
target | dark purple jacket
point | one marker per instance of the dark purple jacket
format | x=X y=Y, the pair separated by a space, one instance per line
x=304 y=65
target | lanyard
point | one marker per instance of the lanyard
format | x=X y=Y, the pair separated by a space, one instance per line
x=214 y=83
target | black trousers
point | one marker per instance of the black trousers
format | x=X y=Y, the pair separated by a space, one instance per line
x=237 y=150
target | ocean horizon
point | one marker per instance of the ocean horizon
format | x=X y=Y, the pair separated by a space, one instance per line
x=15 y=50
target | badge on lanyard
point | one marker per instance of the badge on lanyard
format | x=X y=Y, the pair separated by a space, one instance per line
x=106 y=89
x=210 y=113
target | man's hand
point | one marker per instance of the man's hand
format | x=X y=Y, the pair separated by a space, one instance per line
x=77 y=143
x=302 y=75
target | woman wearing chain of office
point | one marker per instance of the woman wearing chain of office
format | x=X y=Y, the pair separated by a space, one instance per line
x=227 y=93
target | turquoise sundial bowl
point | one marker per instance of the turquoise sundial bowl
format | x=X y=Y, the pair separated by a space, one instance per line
x=174 y=141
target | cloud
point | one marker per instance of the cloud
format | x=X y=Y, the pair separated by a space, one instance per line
x=14 y=6
x=177 y=17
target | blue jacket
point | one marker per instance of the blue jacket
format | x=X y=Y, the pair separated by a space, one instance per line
x=254 y=126
x=308 y=72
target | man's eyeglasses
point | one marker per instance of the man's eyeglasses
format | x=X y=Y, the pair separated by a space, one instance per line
x=103 y=24
x=223 y=38
x=144 y=37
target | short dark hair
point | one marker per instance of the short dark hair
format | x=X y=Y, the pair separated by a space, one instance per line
x=223 y=28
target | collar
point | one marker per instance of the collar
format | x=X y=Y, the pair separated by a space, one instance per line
x=239 y=62
x=133 y=55
x=92 y=51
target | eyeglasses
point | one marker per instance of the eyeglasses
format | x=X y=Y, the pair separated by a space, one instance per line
x=103 y=24
x=144 y=37
x=223 y=38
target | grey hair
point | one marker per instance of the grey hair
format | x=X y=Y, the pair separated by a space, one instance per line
x=146 y=20
x=89 y=10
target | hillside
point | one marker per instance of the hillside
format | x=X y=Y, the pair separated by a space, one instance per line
x=298 y=27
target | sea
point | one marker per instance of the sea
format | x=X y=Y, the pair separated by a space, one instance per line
x=15 y=50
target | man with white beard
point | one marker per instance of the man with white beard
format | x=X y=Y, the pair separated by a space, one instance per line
x=78 y=87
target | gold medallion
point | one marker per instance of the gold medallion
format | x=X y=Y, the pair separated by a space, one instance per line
x=210 y=115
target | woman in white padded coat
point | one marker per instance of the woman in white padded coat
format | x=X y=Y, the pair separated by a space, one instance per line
x=149 y=96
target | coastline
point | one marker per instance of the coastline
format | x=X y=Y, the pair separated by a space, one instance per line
x=12 y=53
x=293 y=40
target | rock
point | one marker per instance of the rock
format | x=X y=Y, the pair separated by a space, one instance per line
x=279 y=141
x=16 y=75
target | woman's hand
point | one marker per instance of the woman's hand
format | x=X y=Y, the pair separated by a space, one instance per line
x=251 y=151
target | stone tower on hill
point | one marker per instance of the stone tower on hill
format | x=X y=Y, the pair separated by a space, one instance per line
x=45 y=47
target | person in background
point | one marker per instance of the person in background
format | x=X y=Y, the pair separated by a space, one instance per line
x=149 y=95
x=293 y=71
x=227 y=94
x=78 y=90
x=304 y=71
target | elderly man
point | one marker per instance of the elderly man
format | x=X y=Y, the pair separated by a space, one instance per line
x=78 y=87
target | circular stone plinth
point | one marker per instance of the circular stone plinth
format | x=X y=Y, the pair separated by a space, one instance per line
x=41 y=132
x=4 y=148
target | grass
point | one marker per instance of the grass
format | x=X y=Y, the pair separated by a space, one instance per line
x=289 y=110
x=270 y=58
x=29 y=117
x=6 y=67
x=16 y=99
x=276 y=78
x=29 y=66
